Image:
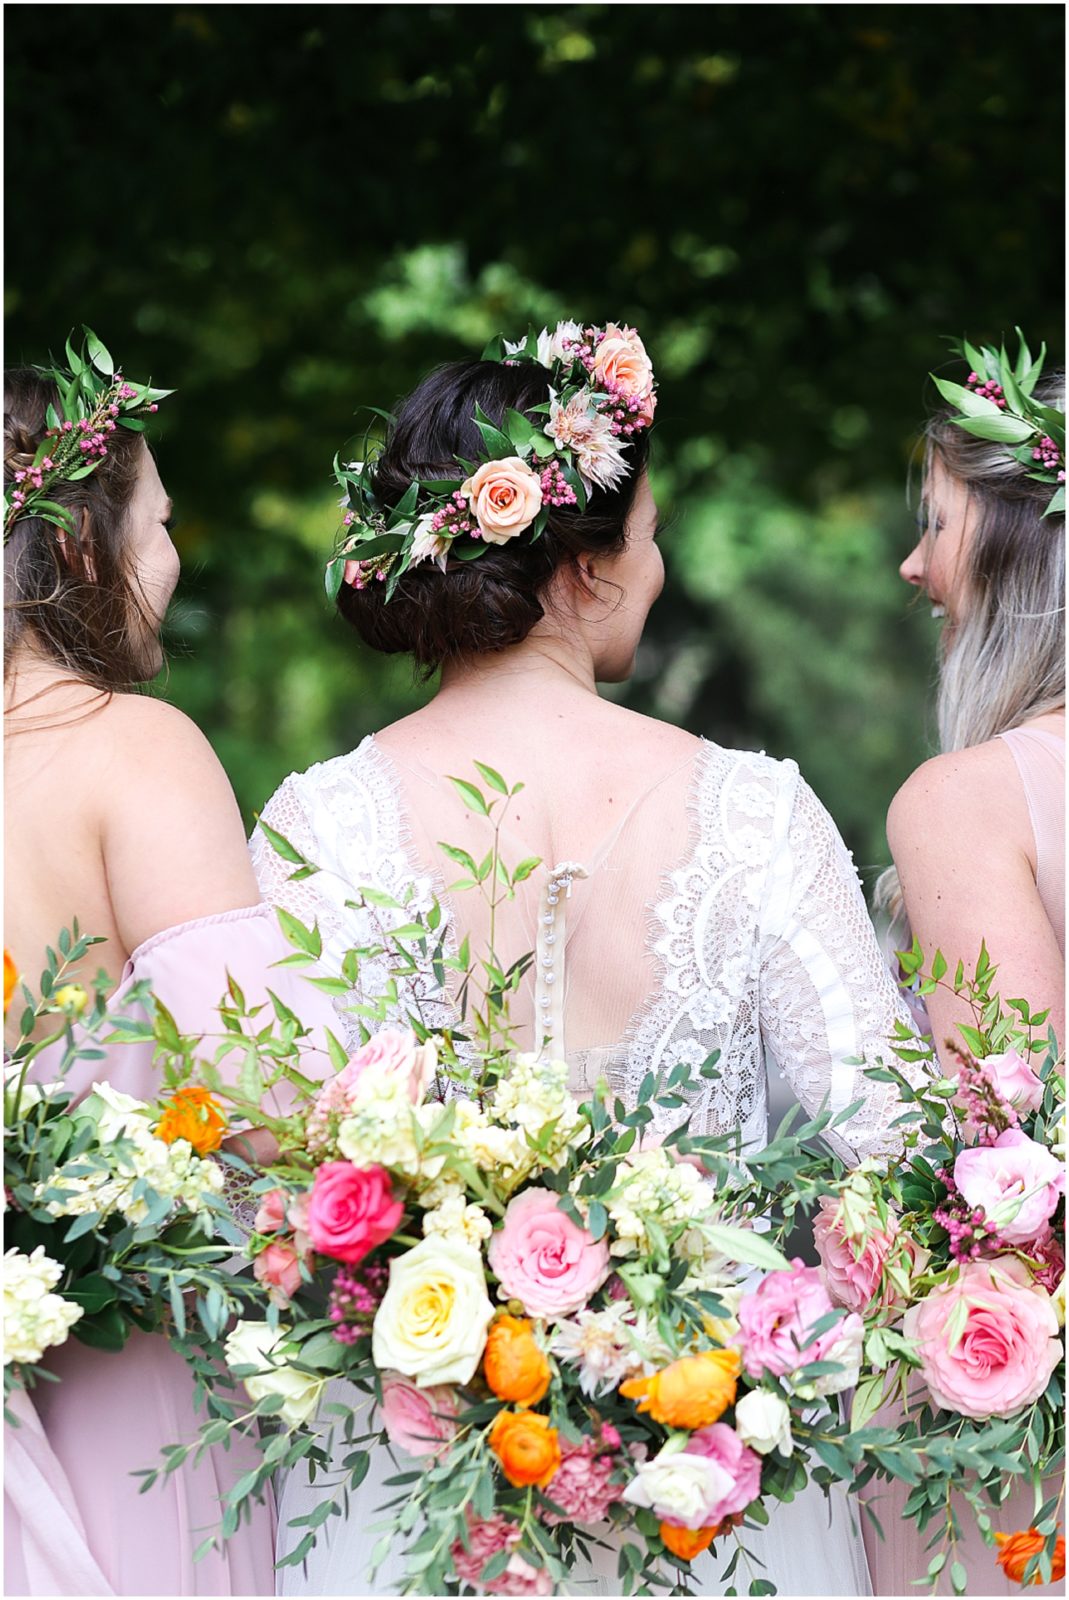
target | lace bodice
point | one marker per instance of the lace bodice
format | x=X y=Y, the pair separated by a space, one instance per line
x=755 y=936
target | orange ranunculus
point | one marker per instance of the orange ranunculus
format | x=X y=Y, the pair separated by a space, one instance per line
x=690 y=1393
x=527 y=1447
x=1016 y=1549
x=515 y=1367
x=11 y=977
x=192 y=1114
x=686 y=1543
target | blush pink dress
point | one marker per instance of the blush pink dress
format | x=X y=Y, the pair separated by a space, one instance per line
x=74 y=1522
x=900 y=1557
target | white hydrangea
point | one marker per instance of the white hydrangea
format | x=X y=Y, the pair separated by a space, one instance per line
x=609 y=1346
x=454 y=1218
x=653 y=1186
x=35 y=1319
x=533 y=1094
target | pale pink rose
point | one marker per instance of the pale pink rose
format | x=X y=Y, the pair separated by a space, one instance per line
x=1009 y=1346
x=486 y=1538
x=1013 y=1169
x=352 y=1210
x=722 y=1444
x=272 y=1213
x=621 y=365
x=505 y=496
x=279 y=1268
x=776 y=1322
x=420 y=1421
x=544 y=1259
x=1014 y=1079
x=297 y=1217
x=852 y=1268
x=582 y=1485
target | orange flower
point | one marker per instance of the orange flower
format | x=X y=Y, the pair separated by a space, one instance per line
x=526 y=1446
x=11 y=978
x=1015 y=1550
x=192 y=1114
x=690 y=1393
x=515 y=1367
x=686 y=1543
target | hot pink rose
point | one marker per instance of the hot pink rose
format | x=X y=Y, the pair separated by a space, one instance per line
x=852 y=1268
x=1013 y=1170
x=486 y=1538
x=776 y=1324
x=279 y=1267
x=722 y=1444
x=622 y=367
x=352 y=1210
x=1014 y=1080
x=420 y=1421
x=1008 y=1348
x=544 y=1259
x=272 y=1213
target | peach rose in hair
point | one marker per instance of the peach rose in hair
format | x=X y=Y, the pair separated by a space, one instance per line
x=505 y=496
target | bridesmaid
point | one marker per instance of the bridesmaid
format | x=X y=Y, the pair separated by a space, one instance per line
x=978 y=832
x=119 y=813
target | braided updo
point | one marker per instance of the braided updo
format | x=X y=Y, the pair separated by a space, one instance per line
x=475 y=607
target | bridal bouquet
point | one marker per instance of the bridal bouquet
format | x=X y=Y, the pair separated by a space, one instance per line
x=114 y=1208
x=955 y=1260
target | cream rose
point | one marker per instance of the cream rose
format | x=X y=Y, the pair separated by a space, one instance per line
x=256 y=1344
x=505 y=496
x=434 y=1317
x=763 y=1421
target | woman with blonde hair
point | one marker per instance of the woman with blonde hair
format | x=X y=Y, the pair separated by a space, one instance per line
x=978 y=832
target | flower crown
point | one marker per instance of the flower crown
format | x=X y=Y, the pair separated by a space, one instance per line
x=601 y=393
x=94 y=399
x=996 y=403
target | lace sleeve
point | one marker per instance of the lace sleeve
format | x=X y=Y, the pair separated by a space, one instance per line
x=826 y=994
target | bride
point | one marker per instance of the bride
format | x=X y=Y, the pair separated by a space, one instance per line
x=719 y=908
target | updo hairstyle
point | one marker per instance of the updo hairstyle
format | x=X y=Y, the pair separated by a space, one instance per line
x=487 y=604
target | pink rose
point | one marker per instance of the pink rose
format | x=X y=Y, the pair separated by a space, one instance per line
x=297 y=1217
x=544 y=1259
x=852 y=1268
x=722 y=1444
x=1014 y=1080
x=486 y=1538
x=505 y=496
x=392 y=1054
x=420 y=1421
x=776 y=1324
x=1015 y=1181
x=622 y=367
x=272 y=1213
x=279 y=1267
x=1008 y=1347
x=352 y=1210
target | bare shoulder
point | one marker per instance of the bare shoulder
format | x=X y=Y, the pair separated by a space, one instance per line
x=153 y=744
x=952 y=798
x=660 y=739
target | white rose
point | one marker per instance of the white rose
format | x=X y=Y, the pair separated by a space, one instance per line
x=117 y=1115
x=256 y=1344
x=847 y=1351
x=679 y=1485
x=763 y=1421
x=434 y=1317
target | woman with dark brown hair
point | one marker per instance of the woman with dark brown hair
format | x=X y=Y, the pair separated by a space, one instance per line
x=118 y=813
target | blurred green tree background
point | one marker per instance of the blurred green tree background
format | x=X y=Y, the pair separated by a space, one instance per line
x=290 y=211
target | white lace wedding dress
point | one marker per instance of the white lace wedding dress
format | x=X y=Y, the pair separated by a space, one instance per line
x=722 y=912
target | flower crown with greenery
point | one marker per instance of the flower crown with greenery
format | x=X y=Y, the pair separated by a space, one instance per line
x=94 y=399
x=996 y=403
x=601 y=393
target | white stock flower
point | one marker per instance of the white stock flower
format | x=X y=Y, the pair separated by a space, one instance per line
x=257 y=1344
x=533 y=1094
x=35 y=1319
x=763 y=1421
x=653 y=1186
x=388 y=1131
x=433 y=1319
x=679 y=1485
x=454 y=1218
x=490 y=1147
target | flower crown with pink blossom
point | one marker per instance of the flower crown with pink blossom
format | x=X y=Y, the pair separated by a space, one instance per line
x=94 y=400
x=996 y=403
x=601 y=393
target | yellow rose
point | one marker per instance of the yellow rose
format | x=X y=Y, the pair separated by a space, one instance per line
x=433 y=1320
x=506 y=496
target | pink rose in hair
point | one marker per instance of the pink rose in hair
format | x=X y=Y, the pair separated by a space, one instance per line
x=852 y=1268
x=506 y=496
x=544 y=1259
x=1002 y=1359
x=352 y=1210
x=1013 y=1174
x=776 y=1324
x=721 y=1444
x=420 y=1421
x=279 y=1268
x=486 y=1539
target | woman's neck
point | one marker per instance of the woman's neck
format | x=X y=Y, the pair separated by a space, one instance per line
x=541 y=663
